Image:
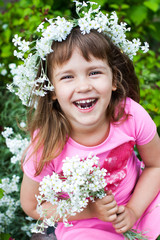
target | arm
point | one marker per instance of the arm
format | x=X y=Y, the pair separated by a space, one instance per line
x=146 y=189
x=104 y=209
x=29 y=189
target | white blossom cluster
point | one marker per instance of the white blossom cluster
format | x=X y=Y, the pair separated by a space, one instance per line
x=3 y=71
x=15 y=144
x=95 y=19
x=9 y=186
x=29 y=226
x=24 y=75
x=7 y=202
x=81 y=181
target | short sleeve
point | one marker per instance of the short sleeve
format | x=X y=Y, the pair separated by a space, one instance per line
x=30 y=163
x=145 y=128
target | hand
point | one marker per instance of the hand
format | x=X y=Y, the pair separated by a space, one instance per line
x=105 y=209
x=125 y=220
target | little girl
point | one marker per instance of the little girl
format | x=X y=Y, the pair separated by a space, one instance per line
x=94 y=108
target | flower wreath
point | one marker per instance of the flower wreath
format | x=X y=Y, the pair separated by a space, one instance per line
x=32 y=53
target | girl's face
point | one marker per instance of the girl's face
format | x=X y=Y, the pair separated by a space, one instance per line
x=83 y=90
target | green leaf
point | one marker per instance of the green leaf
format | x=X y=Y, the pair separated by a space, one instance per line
x=24 y=3
x=6 y=51
x=49 y=2
x=1 y=3
x=18 y=21
x=138 y=14
x=115 y=6
x=7 y=34
x=34 y=20
x=152 y=27
x=125 y=6
x=37 y=3
x=158 y=83
x=27 y=11
x=100 y=2
x=46 y=7
x=1 y=193
x=133 y=234
x=156 y=33
x=152 y=5
x=4 y=236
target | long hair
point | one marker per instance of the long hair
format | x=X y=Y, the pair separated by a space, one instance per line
x=48 y=120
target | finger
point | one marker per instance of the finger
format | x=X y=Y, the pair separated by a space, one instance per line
x=119 y=226
x=121 y=209
x=111 y=218
x=112 y=204
x=107 y=199
x=109 y=192
x=112 y=211
x=122 y=230
x=119 y=218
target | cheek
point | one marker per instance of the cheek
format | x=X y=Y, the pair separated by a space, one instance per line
x=63 y=91
x=62 y=96
x=105 y=88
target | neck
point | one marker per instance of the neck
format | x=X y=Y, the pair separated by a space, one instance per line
x=91 y=137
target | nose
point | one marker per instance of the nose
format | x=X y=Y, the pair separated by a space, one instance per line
x=83 y=85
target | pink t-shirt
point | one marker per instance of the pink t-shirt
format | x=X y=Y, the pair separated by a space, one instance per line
x=138 y=129
x=116 y=154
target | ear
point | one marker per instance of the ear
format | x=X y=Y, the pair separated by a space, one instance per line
x=54 y=96
x=114 y=87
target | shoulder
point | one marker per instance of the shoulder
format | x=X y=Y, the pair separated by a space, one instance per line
x=137 y=111
x=140 y=122
x=132 y=107
x=32 y=160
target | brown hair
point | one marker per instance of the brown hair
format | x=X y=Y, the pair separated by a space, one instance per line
x=53 y=127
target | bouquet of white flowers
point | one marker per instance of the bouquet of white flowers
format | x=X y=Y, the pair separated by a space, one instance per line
x=81 y=181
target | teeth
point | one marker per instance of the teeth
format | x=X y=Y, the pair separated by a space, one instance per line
x=85 y=104
x=83 y=107
x=85 y=101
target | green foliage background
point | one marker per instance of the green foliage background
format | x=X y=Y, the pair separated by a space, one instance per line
x=23 y=16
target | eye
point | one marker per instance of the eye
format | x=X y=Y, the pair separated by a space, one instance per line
x=66 y=77
x=94 y=73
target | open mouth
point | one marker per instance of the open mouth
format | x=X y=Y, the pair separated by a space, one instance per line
x=85 y=104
